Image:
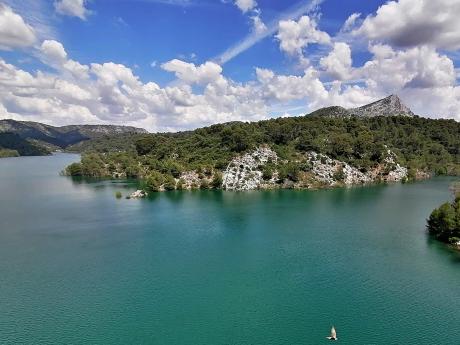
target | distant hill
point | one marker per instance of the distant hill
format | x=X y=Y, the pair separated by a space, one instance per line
x=12 y=145
x=388 y=106
x=34 y=138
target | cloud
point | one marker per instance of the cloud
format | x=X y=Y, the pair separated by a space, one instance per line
x=245 y=5
x=38 y=14
x=421 y=67
x=72 y=8
x=338 y=63
x=14 y=32
x=258 y=25
x=271 y=28
x=350 y=22
x=286 y=88
x=295 y=36
x=190 y=73
x=53 y=52
x=410 y=23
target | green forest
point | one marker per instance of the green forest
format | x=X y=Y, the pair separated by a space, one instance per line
x=444 y=222
x=419 y=143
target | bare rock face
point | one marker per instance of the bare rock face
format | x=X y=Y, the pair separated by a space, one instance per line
x=191 y=179
x=333 y=172
x=243 y=172
x=397 y=173
x=389 y=106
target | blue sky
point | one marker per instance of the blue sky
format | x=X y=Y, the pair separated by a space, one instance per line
x=140 y=32
x=162 y=64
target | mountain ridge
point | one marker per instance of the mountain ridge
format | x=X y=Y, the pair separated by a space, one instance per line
x=391 y=105
x=34 y=138
x=46 y=138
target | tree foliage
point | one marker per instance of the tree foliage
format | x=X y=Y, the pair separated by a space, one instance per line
x=444 y=222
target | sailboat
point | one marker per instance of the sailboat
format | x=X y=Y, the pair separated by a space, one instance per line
x=333 y=335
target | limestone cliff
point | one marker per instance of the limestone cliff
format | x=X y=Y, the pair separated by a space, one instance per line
x=244 y=172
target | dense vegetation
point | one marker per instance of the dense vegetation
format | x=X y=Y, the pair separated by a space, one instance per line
x=444 y=222
x=8 y=153
x=12 y=145
x=419 y=143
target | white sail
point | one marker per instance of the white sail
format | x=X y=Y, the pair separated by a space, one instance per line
x=333 y=333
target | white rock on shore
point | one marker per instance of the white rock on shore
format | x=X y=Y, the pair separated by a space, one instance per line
x=397 y=174
x=191 y=179
x=138 y=194
x=243 y=172
x=327 y=170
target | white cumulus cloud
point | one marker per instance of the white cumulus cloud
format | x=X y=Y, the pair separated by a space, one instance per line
x=53 y=52
x=191 y=73
x=410 y=23
x=294 y=36
x=14 y=32
x=72 y=8
x=245 y=5
x=338 y=63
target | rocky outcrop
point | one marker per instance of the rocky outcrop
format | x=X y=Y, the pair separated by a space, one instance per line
x=396 y=173
x=138 y=194
x=244 y=172
x=191 y=180
x=333 y=172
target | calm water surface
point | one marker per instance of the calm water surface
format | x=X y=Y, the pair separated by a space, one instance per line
x=78 y=266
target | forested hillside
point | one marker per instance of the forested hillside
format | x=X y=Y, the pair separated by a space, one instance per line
x=419 y=144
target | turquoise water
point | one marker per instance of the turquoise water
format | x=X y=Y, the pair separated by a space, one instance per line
x=78 y=266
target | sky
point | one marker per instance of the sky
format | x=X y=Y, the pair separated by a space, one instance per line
x=171 y=65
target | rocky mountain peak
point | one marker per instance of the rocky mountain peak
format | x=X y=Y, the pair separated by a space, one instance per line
x=388 y=106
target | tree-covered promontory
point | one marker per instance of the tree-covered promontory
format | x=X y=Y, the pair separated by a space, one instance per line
x=444 y=222
x=420 y=144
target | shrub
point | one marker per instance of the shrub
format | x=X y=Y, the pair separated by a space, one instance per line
x=180 y=184
x=267 y=172
x=154 y=181
x=74 y=169
x=169 y=183
x=339 y=175
x=217 y=180
x=204 y=184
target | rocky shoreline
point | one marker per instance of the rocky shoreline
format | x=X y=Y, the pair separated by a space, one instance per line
x=249 y=172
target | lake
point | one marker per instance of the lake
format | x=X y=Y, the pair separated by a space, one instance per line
x=78 y=266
